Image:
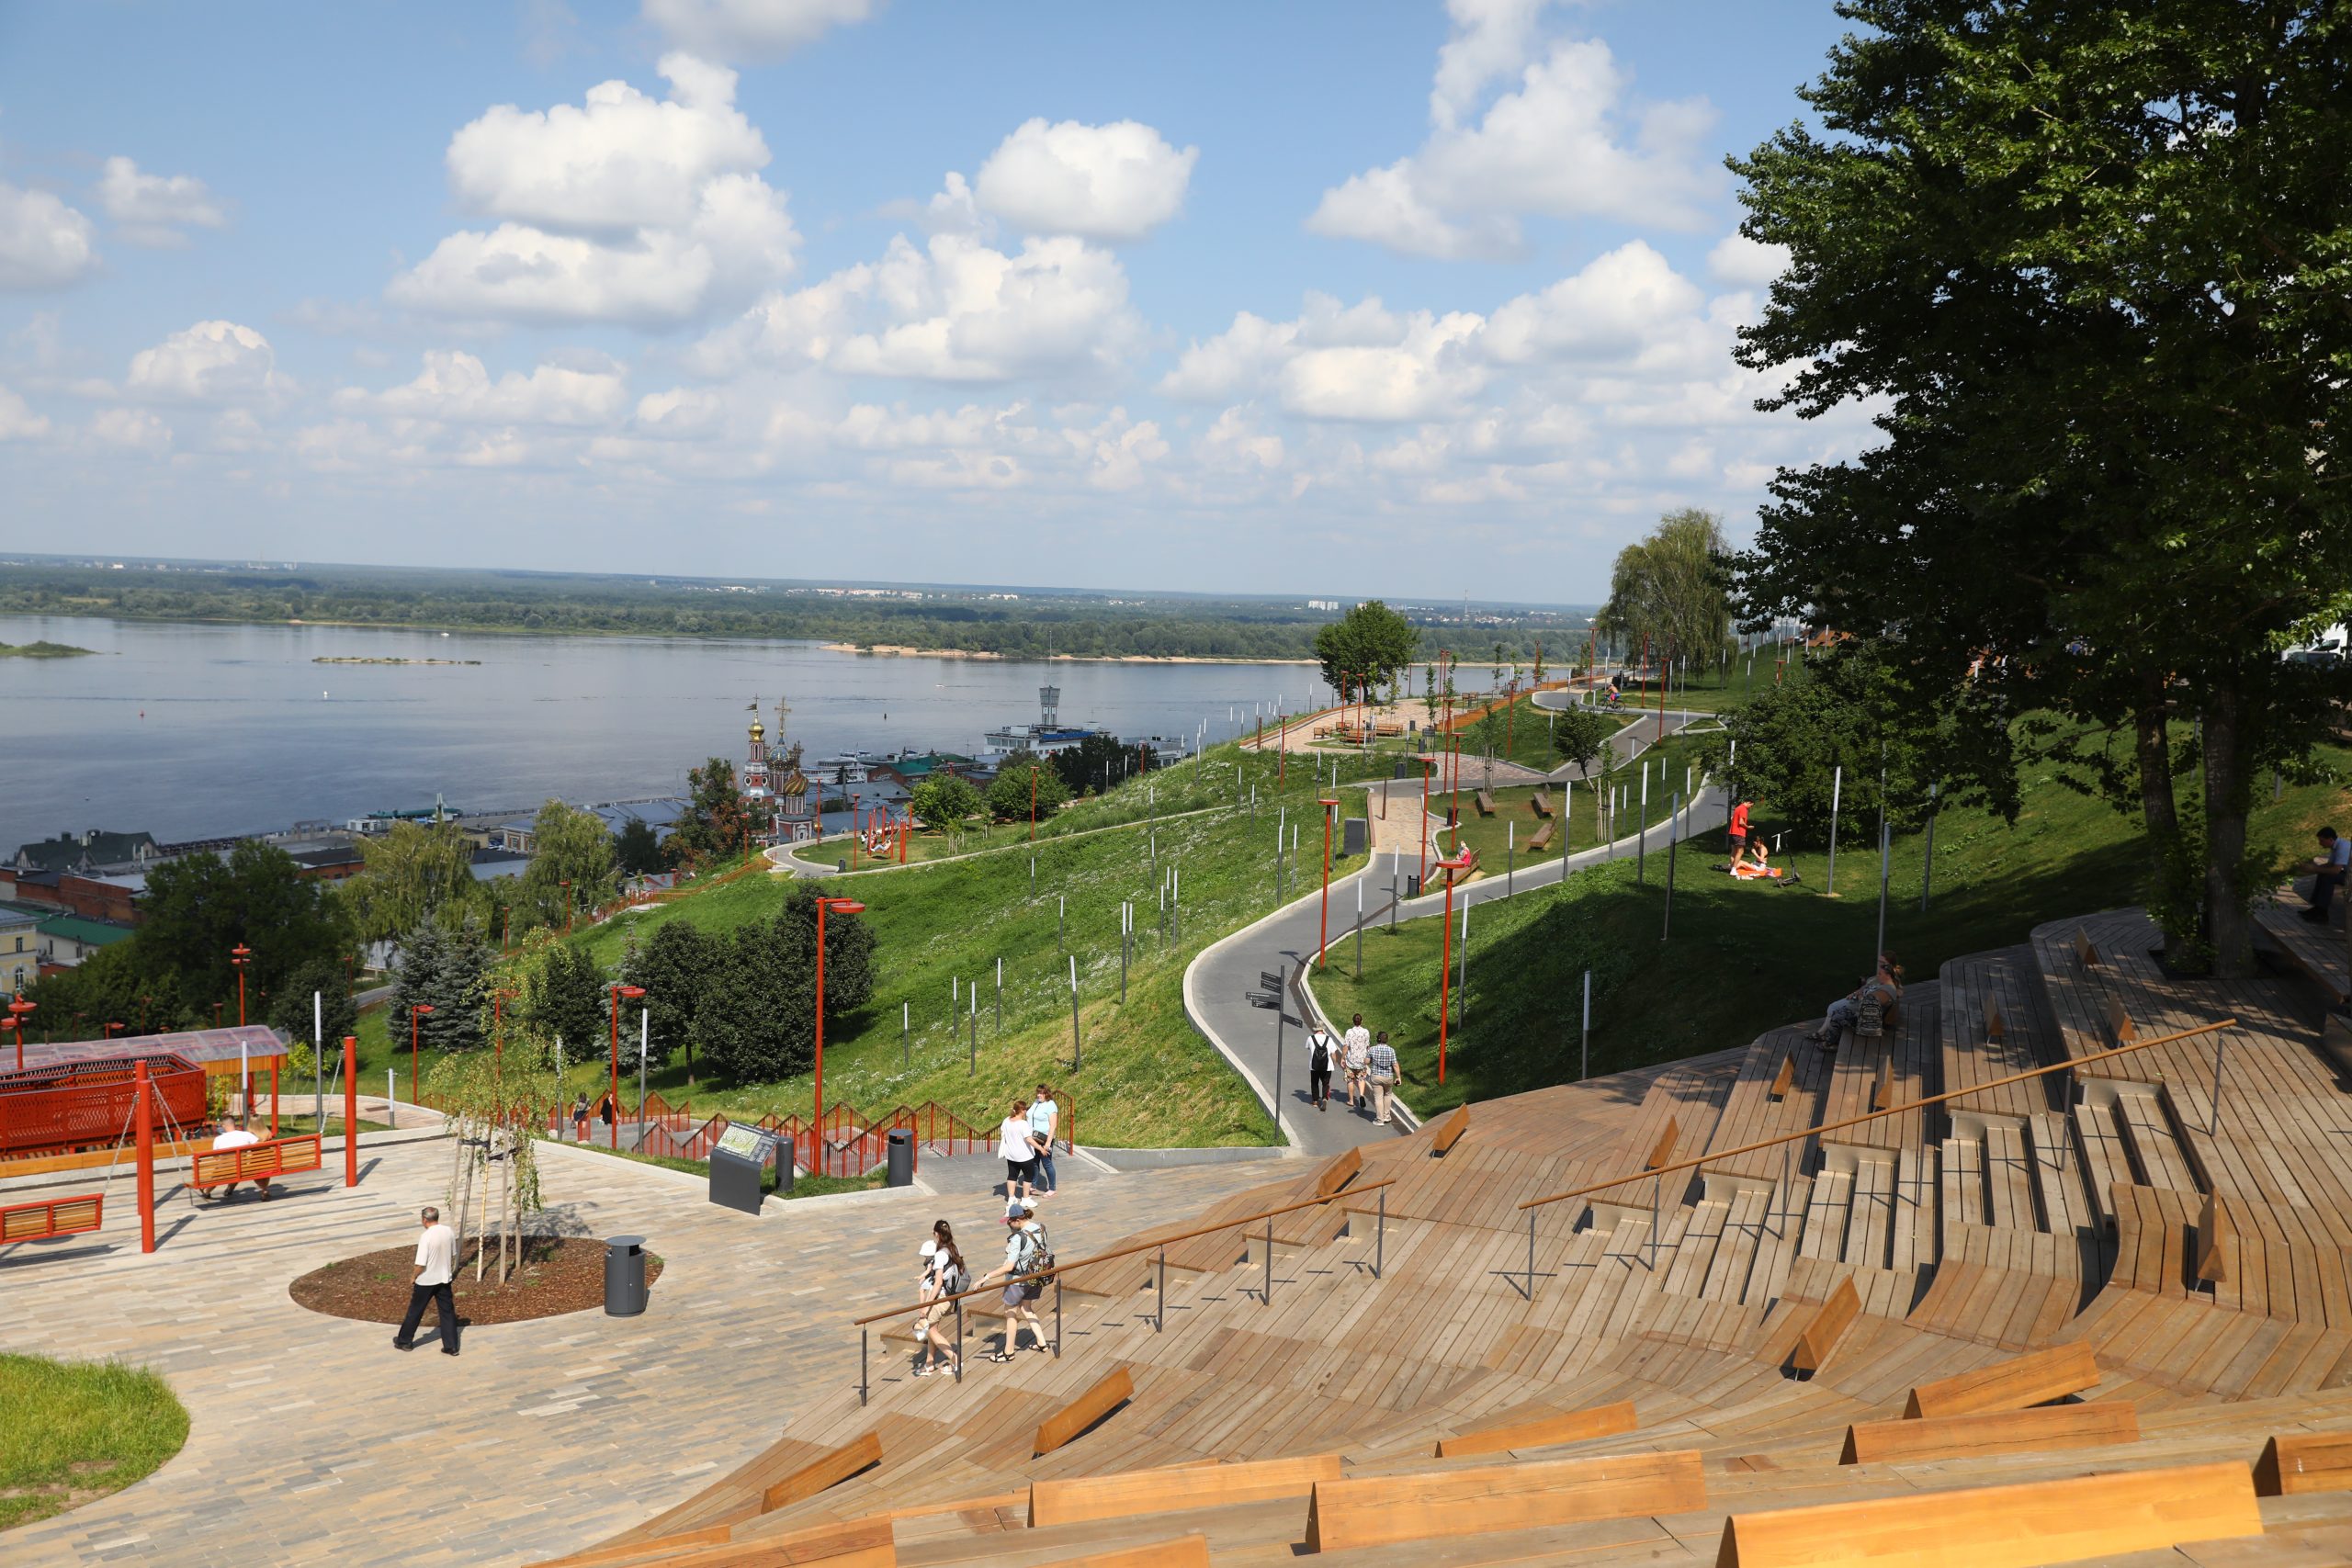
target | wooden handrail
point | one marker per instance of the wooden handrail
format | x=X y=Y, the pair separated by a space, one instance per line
x=1152 y=1246
x=1798 y=1136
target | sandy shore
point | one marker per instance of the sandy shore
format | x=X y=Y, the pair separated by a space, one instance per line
x=901 y=651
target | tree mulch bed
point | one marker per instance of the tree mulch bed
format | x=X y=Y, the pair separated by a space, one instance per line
x=558 y=1274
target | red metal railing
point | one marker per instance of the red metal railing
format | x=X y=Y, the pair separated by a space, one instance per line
x=78 y=1105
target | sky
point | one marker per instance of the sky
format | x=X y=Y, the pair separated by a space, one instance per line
x=1354 y=297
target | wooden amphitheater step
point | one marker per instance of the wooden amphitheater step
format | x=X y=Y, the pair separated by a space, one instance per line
x=1825 y=1215
x=1175 y=1488
x=1824 y=1327
x=2035 y=1377
x=2106 y=1156
x=857 y=1544
x=2060 y=1186
x=1992 y=1432
x=2293 y=1462
x=1600 y=1421
x=1184 y=1552
x=2156 y=1152
x=828 y=1470
x=1424 y=1505
x=2005 y=1527
x=1072 y=1420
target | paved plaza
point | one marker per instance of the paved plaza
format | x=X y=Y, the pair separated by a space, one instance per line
x=312 y=1440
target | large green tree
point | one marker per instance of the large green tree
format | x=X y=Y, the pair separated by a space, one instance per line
x=944 y=800
x=676 y=966
x=1009 y=792
x=1366 y=648
x=2087 y=267
x=444 y=966
x=196 y=909
x=714 y=826
x=410 y=872
x=573 y=846
x=1671 y=591
x=758 y=1016
x=337 y=1015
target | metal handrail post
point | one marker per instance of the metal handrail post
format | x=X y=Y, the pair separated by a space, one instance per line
x=1159 y=1292
x=1530 y=1255
x=1784 y=1199
x=1268 y=1298
x=959 y=1341
x=1657 y=1187
x=2221 y=1043
x=1058 y=1317
x=1380 y=1236
x=863 y=1335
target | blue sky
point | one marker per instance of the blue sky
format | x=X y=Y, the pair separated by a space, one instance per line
x=1370 y=297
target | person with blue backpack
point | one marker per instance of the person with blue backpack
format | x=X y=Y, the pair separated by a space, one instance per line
x=1026 y=1251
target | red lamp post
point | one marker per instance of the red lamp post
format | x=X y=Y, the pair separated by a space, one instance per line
x=241 y=955
x=847 y=906
x=215 y=1013
x=143 y=1013
x=16 y=1010
x=1445 y=958
x=108 y=1032
x=412 y=1012
x=618 y=992
x=1323 y=941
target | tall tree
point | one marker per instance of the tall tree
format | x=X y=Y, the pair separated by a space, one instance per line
x=944 y=800
x=676 y=966
x=2088 y=261
x=1580 y=734
x=1671 y=589
x=568 y=845
x=714 y=826
x=758 y=1016
x=409 y=874
x=444 y=966
x=289 y=1004
x=637 y=849
x=1366 y=647
x=200 y=906
x=1009 y=796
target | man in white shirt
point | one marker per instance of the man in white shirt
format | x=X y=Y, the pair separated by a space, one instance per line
x=437 y=1265
x=2328 y=872
x=1355 y=1057
x=232 y=1135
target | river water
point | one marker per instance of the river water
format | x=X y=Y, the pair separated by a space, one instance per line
x=194 y=731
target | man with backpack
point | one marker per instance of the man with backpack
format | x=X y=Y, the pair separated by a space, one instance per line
x=1026 y=1251
x=1322 y=1052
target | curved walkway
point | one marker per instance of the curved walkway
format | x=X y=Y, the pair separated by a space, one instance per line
x=1230 y=990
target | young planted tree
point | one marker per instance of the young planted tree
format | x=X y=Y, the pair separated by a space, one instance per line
x=1009 y=793
x=492 y=1106
x=2088 y=261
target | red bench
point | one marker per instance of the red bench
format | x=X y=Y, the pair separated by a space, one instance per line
x=254 y=1162
x=51 y=1217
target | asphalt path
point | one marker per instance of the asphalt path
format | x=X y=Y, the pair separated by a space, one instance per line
x=1237 y=991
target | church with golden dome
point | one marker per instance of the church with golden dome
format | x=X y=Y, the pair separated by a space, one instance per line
x=777 y=796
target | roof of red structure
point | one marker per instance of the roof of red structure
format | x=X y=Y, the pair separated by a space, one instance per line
x=254 y=1041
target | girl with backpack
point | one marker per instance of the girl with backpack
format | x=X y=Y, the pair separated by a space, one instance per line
x=944 y=1275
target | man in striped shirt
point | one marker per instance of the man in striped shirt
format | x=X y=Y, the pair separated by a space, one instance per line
x=1384 y=1077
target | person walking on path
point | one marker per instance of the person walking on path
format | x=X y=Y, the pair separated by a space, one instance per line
x=437 y=1265
x=1355 y=1056
x=1384 y=1077
x=1044 y=1118
x=580 y=1118
x=234 y=1135
x=1027 y=1250
x=944 y=1275
x=1322 y=1054
x=1020 y=1156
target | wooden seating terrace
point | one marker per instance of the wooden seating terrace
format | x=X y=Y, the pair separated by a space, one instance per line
x=2079 y=1317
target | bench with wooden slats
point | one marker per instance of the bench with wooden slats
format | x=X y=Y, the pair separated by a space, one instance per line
x=1543 y=838
x=2294 y=1463
x=270 y=1158
x=1575 y=1427
x=1174 y=1489
x=2005 y=1527
x=1540 y=801
x=1435 y=1505
x=52 y=1217
x=2035 y=1377
x=1486 y=802
x=1072 y=1420
x=1991 y=1432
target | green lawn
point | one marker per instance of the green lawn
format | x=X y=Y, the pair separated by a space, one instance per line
x=1742 y=956
x=77 y=1430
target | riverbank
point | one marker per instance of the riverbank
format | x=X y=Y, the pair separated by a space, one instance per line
x=901 y=650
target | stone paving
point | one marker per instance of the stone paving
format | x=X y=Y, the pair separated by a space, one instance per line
x=312 y=1440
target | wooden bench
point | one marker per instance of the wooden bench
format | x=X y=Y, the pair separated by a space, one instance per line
x=1786 y=1078
x=1449 y=1131
x=1175 y=1488
x=1992 y=1432
x=1600 y=1421
x=1540 y=801
x=1108 y=1393
x=1388 y=728
x=857 y=1544
x=2305 y=1462
x=1826 y=1327
x=269 y=1158
x=51 y=1217
x=1543 y=838
x=1468 y=869
x=827 y=1470
x=2084 y=949
x=2033 y=1379
x=1426 y=1506
x=2005 y=1527
x=1662 y=1152
x=2214 y=1233
x=1486 y=802
x=1184 y=1551
x=1338 y=1172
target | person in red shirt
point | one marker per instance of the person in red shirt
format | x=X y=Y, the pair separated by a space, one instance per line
x=1738 y=833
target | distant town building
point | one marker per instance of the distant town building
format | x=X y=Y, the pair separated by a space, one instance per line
x=94 y=851
x=20 y=947
x=1045 y=737
x=67 y=940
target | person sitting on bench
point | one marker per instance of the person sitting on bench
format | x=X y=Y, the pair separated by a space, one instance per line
x=2328 y=870
x=232 y=1135
x=1886 y=985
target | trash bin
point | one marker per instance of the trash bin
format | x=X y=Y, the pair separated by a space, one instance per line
x=1412 y=888
x=1353 y=839
x=624 y=1276
x=903 y=1157
x=1403 y=768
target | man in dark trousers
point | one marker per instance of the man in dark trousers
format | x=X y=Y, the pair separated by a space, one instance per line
x=437 y=1265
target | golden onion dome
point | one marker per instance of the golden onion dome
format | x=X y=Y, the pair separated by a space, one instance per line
x=797 y=784
x=758 y=731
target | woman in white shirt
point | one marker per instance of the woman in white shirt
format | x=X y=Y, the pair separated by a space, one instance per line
x=943 y=1274
x=1013 y=1147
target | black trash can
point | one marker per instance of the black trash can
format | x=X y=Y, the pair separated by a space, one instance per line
x=1404 y=768
x=903 y=1157
x=1412 y=888
x=624 y=1276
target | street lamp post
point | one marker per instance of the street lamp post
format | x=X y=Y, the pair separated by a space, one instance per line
x=614 y=1139
x=108 y=1032
x=414 y=1009
x=16 y=1011
x=1460 y=862
x=847 y=906
x=241 y=955
x=1323 y=938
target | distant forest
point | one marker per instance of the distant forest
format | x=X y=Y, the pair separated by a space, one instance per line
x=968 y=620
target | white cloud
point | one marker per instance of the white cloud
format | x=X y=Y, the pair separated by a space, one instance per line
x=954 y=311
x=1745 y=263
x=623 y=210
x=17 y=420
x=1104 y=182
x=1429 y=369
x=1565 y=141
x=208 y=363
x=43 y=242
x=156 y=209
x=679 y=414
x=133 y=430
x=752 y=29
x=1620 y=302
x=455 y=386
x=1235 y=441
x=617 y=163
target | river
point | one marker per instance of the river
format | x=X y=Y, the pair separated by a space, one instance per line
x=196 y=731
